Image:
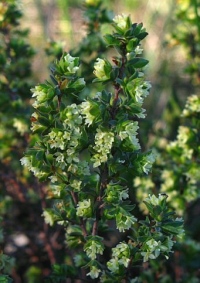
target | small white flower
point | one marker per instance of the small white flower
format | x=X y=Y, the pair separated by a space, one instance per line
x=76 y=185
x=35 y=127
x=131 y=130
x=152 y=244
x=153 y=249
x=113 y=264
x=121 y=248
x=142 y=91
x=48 y=217
x=94 y=272
x=103 y=145
x=123 y=194
x=25 y=161
x=53 y=179
x=86 y=107
x=99 y=70
x=120 y=256
x=152 y=199
x=138 y=50
x=84 y=208
x=124 y=222
x=93 y=249
x=121 y=21
x=37 y=92
x=124 y=261
x=72 y=68
x=150 y=159
x=141 y=115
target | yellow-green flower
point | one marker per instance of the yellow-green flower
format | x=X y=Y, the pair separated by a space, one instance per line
x=121 y=21
x=94 y=272
x=84 y=208
x=99 y=69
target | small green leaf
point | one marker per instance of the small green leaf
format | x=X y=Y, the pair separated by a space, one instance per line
x=138 y=29
x=132 y=44
x=138 y=62
x=142 y=35
x=111 y=40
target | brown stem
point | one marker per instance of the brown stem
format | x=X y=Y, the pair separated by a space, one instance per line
x=117 y=87
x=74 y=197
x=82 y=221
x=83 y=227
x=99 y=204
x=48 y=245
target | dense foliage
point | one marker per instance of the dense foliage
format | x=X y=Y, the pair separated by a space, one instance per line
x=90 y=151
x=113 y=208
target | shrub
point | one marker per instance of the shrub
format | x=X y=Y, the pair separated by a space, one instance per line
x=90 y=151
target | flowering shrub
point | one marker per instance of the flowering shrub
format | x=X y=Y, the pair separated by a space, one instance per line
x=15 y=81
x=89 y=151
x=187 y=34
x=175 y=172
x=21 y=197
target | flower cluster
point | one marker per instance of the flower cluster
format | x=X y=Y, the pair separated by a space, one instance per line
x=116 y=193
x=149 y=159
x=153 y=200
x=42 y=94
x=102 y=69
x=182 y=173
x=84 y=208
x=121 y=21
x=152 y=248
x=33 y=166
x=49 y=217
x=68 y=64
x=103 y=145
x=138 y=90
x=94 y=272
x=120 y=257
x=93 y=247
x=129 y=130
x=124 y=220
x=85 y=111
x=142 y=91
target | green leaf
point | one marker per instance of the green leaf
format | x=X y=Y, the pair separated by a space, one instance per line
x=137 y=29
x=45 y=121
x=49 y=158
x=170 y=229
x=149 y=206
x=132 y=44
x=40 y=154
x=142 y=35
x=109 y=212
x=138 y=62
x=111 y=40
